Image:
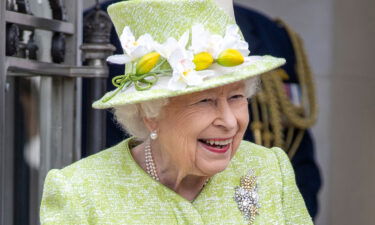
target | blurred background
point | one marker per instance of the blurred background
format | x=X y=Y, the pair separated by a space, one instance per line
x=338 y=37
x=48 y=79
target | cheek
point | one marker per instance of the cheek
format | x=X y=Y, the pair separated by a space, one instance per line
x=179 y=135
x=191 y=121
x=183 y=128
x=244 y=118
x=242 y=115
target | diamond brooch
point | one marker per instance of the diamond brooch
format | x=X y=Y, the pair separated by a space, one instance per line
x=247 y=198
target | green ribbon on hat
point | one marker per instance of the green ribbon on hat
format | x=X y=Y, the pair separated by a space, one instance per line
x=142 y=82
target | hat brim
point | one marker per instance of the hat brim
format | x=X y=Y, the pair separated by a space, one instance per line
x=256 y=66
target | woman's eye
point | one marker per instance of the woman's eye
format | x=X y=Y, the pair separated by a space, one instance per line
x=237 y=97
x=206 y=100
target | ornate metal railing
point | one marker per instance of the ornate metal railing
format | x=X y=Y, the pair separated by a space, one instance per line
x=59 y=93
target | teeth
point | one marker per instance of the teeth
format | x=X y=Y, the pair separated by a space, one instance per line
x=213 y=142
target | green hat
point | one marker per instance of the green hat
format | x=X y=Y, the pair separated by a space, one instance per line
x=176 y=47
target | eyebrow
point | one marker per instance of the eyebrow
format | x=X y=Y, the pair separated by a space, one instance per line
x=239 y=85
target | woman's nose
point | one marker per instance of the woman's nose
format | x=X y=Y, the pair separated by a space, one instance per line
x=225 y=116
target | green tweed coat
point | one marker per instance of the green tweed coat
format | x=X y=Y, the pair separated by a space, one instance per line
x=110 y=188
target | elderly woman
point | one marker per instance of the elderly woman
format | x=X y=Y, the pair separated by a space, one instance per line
x=183 y=98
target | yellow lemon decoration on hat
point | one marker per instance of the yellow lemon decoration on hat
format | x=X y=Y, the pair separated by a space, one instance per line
x=230 y=57
x=147 y=63
x=203 y=60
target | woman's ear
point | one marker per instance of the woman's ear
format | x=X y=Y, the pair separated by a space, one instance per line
x=150 y=123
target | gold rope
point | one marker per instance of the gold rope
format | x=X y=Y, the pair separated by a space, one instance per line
x=256 y=125
x=301 y=118
x=273 y=105
x=277 y=111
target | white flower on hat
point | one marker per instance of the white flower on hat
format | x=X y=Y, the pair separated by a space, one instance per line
x=208 y=48
x=203 y=41
x=171 y=44
x=133 y=49
x=233 y=40
x=184 y=73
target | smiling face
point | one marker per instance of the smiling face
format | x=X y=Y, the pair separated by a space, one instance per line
x=199 y=133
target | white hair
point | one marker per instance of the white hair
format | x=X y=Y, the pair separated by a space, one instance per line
x=130 y=117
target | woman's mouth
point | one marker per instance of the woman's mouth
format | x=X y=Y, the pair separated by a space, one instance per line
x=216 y=145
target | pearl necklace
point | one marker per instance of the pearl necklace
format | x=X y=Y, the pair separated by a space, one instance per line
x=150 y=164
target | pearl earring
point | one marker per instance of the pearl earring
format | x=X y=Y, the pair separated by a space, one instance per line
x=153 y=135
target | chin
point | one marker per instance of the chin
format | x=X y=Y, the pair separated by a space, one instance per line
x=210 y=162
x=214 y=168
